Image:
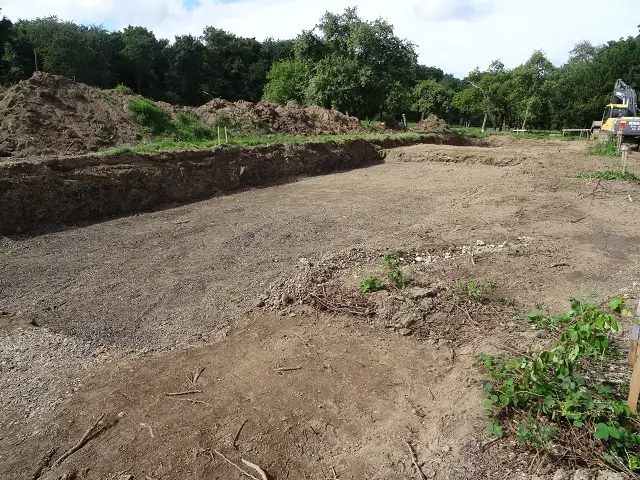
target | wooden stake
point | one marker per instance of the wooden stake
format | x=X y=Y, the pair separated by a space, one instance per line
x=218 y=135
x=634 y=388
x=633 y=352
x=226 y=137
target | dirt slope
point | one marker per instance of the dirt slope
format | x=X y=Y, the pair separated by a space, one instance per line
x=275 y=118
x=49 y=114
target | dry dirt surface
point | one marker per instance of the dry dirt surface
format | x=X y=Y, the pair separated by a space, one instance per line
x=49 y=114
x=273 y=118
x=249 y=301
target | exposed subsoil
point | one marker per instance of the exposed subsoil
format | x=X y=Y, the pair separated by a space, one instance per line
x=50 y=114
x=110 y=317
x=273 y=118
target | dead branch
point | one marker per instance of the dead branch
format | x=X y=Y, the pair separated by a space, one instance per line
x=289 y=369
x=177 y=394
x=263 y=475
x=235 y=438
x=80 y=443
x=335 y=476
x=193 y=400
x=236 y=466
x=414 y=459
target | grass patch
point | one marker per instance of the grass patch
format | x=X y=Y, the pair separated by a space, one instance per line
x=475 y=132
x=606 y=148
x=169 y=145
x=608 y=175
x=557 y=402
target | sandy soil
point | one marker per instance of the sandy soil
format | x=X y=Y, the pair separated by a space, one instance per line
x=108 y=318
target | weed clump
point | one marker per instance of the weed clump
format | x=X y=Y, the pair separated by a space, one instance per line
x=474 y=290
x=392 y=272
x=606 y=148
x=552 y=402
x=122 y=88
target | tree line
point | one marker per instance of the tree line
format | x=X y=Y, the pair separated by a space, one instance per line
x=346 y=63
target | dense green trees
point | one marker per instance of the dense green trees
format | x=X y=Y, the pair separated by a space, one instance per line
x=347 y=63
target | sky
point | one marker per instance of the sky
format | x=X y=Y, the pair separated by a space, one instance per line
x=455 y=35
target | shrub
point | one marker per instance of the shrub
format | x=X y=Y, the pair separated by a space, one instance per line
x=154 y=120
x=122 y=88
x=556 y=393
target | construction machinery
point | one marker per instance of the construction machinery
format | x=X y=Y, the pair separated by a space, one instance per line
x=619 y=117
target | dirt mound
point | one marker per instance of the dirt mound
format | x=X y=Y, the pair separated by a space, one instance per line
x=273 y=118
x=426 y=309
x=433 y=124
x=49 y=114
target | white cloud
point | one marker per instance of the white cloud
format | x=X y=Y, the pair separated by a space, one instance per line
x=455 y=35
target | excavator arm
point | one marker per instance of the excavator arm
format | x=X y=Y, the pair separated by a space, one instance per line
x=624 y=94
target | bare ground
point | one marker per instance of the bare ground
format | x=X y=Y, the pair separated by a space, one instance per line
x=110 y=317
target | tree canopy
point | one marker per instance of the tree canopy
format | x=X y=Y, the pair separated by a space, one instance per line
x=345 y=62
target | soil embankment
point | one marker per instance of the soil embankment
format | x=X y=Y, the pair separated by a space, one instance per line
x=45 y=193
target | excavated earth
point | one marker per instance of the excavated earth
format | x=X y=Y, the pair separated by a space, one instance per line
x=249 y=300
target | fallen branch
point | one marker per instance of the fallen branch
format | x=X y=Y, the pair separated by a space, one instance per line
x=237 y=466
x=80 y=443
x=414 y=459
x=335 y=476
x=193 y=400
x=177 y=394
x=289 y=369
x=261 y=472
x=235 y=438
x=578 y=220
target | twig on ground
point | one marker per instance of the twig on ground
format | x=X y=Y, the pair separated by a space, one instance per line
x=335 y=476
x=188 y=392
x=414 y=459
x=487 y=444
x=235 y=438
x=193 y=400
x=578 y=219
x=261 y=472
x=193 y=378
x=512 y=350
x=44 y=463
x=289 y=369
x=80 y=442
x=236 y=466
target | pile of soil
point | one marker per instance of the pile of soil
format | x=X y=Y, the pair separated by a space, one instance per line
x=274 y=118
x=50 y=114
x=433 y=123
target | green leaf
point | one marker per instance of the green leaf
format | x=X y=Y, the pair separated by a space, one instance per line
x=578 y=423
x=602 y=431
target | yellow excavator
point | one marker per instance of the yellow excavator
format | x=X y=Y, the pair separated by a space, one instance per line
x=620 y=115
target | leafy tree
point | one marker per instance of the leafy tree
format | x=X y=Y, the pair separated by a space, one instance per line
x=468 y=103
x=431 y=97
x=339 y=83
x=141 y=48
x=185 y=75
x=584 y=51
x=288 y=80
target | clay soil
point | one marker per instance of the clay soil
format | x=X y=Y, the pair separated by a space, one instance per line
x=108 y=319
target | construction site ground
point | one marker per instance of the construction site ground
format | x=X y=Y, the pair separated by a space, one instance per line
x=109 y=318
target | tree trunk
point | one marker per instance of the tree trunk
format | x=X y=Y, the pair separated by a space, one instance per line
x=484 y=122
x=422 y=117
